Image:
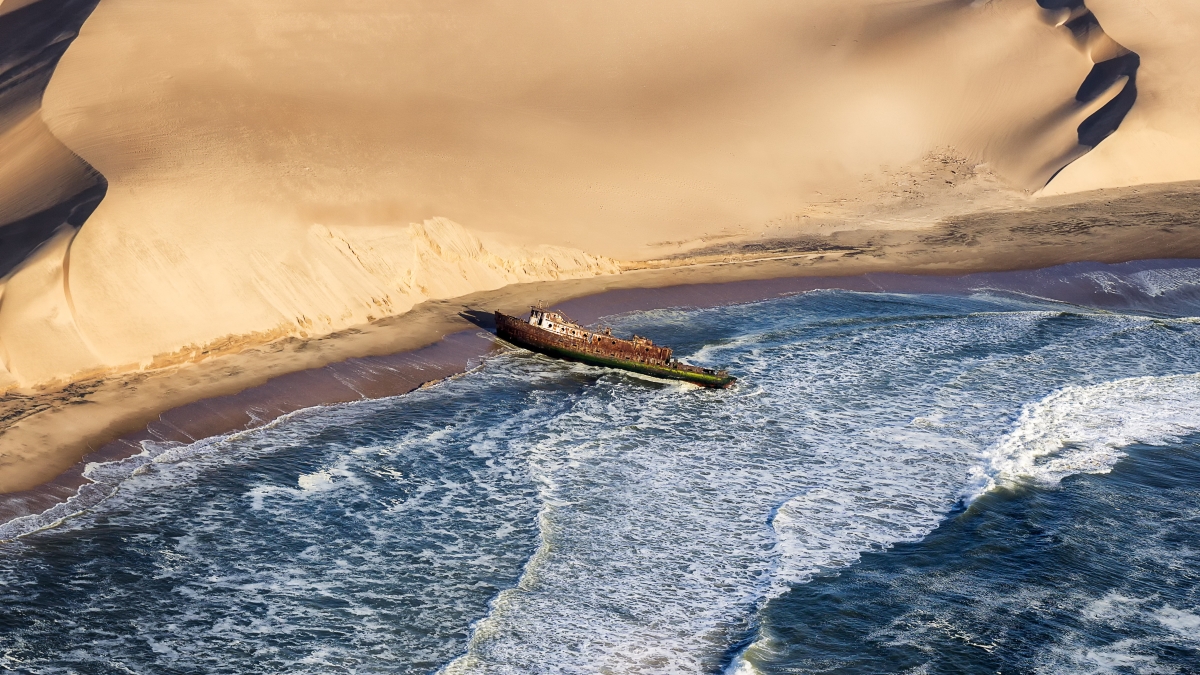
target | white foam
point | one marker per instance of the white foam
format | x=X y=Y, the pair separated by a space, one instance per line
x=668 y=521
x=1155 y=283
x=321 y=480
x=1084 y=429
x=1107 y=281
x=1174 y=290
x=1117 y=657
x=667 y=518
x=1185 y=623
x=104 y=479
x=1159 y=282
x=1115 y=612
x=1113 y=607
x=308 y=484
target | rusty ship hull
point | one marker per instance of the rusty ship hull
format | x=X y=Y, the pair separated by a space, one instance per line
x=551 y=334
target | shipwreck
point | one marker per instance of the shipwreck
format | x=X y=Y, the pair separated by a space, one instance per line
x=551 y=333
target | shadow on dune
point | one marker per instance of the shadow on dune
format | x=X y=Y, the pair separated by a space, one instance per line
x=1084 y=28
x=33 y=39
x=902 y=23
x=20 y=238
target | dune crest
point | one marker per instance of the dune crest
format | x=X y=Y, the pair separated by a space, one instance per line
x=43 y=185
x=1159 y=140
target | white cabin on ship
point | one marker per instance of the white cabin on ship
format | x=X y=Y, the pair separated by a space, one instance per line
x=557 y=323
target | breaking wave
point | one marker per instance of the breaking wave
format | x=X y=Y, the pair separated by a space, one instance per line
x=535 y=516
x=1084 y=429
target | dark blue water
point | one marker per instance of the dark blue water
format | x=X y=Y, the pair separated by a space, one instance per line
x=1099 y=574
x=900 y=483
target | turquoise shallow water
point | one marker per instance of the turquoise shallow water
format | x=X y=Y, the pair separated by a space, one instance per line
x=977 y=482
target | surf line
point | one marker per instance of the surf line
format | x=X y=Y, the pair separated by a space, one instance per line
x=373 y=377
x=82 y=486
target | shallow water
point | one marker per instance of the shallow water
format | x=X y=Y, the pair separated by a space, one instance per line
x=899 y=483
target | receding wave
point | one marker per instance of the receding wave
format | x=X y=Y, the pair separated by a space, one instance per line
x=103 y=479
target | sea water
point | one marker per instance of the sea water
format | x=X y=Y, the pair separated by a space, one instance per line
x=899 y=483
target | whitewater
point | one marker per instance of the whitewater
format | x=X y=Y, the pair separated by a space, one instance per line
x=535 y=516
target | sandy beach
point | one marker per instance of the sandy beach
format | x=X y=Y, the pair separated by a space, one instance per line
x=197 y=202
x=254 y=415
x=47 y=431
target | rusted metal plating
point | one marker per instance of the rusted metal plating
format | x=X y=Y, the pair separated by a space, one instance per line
x=555 y=326
x=555 y=333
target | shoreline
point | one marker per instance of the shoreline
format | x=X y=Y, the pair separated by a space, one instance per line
x=46 y=437
x=372 y=377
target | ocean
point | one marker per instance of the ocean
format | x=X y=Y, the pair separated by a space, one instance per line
x=980 y=481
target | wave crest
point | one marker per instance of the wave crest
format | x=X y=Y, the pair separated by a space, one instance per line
x=1084 y=429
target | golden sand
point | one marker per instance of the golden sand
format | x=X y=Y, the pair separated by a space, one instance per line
x=292 y=182
x=45 y=431
x=293 y=166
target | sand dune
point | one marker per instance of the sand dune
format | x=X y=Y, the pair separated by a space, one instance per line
x=1160 y=139
x=293 y=167
x=313 y=283
x=43 y=185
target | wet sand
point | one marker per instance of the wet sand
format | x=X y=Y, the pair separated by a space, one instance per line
x=48 y=436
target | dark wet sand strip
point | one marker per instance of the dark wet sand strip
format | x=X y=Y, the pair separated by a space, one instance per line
x=374 y=377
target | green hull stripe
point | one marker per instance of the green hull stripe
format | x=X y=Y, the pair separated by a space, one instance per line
x=643 y=368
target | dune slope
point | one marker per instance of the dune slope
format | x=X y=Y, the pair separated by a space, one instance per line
x=43 y=185
x=1160 y=139
x=298 y=166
